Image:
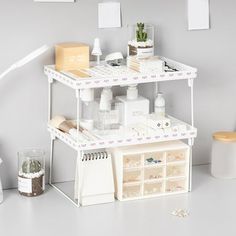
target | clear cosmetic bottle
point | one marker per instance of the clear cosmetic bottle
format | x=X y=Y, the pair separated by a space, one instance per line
x=104 y=111
x=108 y=115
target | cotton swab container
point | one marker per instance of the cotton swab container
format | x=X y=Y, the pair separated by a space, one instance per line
x=223 y=157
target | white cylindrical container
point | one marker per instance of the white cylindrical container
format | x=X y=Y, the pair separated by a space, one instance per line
x=1 y=193
x=160 y=105
x=223 y=157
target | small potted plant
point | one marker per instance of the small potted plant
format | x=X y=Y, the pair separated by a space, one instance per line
x=31 y=173
x=142 y=40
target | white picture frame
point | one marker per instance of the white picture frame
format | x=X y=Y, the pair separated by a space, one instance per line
x=198 y=15
x=109 y=15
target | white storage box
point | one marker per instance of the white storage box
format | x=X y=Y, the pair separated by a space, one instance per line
x=223 y=157
x=151 y=170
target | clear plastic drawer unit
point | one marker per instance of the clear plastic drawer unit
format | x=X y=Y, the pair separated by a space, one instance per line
x=151 y=170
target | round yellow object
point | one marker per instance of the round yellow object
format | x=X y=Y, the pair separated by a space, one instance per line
x=225 y=136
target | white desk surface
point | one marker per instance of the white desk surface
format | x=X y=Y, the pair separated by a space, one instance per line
x=212 y=206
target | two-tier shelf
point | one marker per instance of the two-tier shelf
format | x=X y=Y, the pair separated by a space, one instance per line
x=181 y=72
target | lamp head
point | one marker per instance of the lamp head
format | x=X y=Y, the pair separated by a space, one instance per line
x=96 y=48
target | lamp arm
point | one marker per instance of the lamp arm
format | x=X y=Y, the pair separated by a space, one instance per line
x=25 y=60
x=11 y=68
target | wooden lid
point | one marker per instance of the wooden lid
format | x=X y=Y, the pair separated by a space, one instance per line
x=71 y=45
x=225 y=136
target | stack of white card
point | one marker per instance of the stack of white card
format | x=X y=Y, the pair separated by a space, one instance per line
x=146 y=65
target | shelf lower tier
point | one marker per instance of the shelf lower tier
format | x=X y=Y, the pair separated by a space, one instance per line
x=191 y=132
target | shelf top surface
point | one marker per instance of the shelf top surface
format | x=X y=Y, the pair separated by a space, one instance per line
x=104 y=76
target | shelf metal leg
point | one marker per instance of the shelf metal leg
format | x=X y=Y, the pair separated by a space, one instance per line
x=51 y=160
x=78 y=172
x=190 y=84
x=191 y=141
x=50 y=82
x=78 y=177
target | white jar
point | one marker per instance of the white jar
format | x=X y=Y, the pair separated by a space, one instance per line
x=223 y=157
x=160 y=105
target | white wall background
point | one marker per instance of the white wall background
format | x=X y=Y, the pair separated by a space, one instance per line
x=26 y=25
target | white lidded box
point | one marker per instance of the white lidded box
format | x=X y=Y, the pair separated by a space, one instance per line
x=1 y=193
x=150 y=170
x=223 y=157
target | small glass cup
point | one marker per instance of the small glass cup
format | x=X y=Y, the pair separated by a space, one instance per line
x=31 y=172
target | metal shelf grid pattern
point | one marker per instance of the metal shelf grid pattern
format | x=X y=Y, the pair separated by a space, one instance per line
x=184 y=72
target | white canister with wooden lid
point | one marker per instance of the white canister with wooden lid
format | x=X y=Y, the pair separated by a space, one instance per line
x=223 y=157
x=1 y=193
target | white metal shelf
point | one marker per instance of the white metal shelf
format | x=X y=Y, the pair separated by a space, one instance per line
x=191 y=132
x=184 y=72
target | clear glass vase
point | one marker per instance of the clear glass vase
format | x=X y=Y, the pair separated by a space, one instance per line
x=141 y=40
x=31 y=172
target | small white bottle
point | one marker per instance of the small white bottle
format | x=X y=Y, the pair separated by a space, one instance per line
x=109 y=92
x=160 y=105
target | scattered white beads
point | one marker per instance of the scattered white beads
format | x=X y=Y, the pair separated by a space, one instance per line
x=181 y=213
x=148 y=43
x=31 y=175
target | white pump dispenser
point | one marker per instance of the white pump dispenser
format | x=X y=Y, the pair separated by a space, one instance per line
x=132 y=92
